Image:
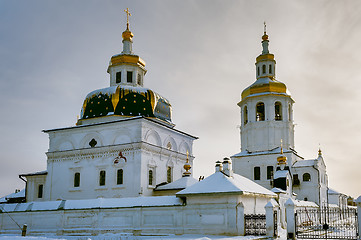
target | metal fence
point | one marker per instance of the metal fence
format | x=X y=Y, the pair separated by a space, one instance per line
x=326 y=223
x=255 y=224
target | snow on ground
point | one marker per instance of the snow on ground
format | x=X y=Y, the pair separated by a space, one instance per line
x=131 y=237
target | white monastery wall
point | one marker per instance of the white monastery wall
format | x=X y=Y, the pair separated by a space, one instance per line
x=219 y=215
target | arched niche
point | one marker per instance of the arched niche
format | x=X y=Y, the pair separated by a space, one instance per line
x=170 y=144
x=92 y=140
x=152 y=137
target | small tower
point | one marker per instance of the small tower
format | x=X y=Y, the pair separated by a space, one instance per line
x=127 y=68
x=266 y=107
x=282 y=177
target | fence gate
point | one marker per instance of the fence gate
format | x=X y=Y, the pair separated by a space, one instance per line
x=326 y=223
x=255 y=224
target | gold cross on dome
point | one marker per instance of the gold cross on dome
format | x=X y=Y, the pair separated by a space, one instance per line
x=265 y=26
x=128 y=15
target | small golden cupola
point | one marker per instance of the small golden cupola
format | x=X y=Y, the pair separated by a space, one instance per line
x=187 y=167
x=265 y=73
x=281 y=159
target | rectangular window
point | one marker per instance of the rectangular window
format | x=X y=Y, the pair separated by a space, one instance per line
x=120 y=176
x=77 y=179
x=40 y=191
x=257 y=173
x=269 y=172
x=118 y=77
x=129 y=77
x=150 y=177
x=139 y=80
x=169 y=174
x=102 y=178
x=296 y=180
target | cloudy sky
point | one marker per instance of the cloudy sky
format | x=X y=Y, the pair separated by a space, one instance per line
x=200 y=55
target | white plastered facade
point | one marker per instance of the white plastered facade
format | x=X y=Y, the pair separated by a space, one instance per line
x=145 y=143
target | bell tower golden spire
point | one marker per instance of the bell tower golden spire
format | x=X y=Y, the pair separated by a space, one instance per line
x=128 y=15
x=127 y=36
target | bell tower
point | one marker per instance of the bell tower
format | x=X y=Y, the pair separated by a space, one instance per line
x=266 y=108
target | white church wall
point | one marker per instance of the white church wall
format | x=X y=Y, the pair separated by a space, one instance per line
x=32 y=187
x=307 y=190
x=141 y=141
x=245 y=165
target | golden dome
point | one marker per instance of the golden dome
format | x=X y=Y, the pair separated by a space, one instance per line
x=127 y=35
x=263 y=85
x=265 y=37
x=282 y=159
x=187 y=166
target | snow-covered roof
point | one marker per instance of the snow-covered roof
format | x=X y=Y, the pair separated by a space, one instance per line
x=35 y=173
x=94 y=203
x=218 y=182
x=301 y=203
x=305 y=163
x=123 y=202
x=20 y=194
x=332 y=191
x=276 y=150
x=280 y=174
x=278 y=190
x=181 y=183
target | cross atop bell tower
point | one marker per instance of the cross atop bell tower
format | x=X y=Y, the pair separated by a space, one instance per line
x=128 y=15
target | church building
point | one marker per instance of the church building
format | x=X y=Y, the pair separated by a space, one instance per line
x=123 y=145
x=266 y=120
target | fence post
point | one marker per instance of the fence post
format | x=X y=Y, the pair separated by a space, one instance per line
x=290 y=218
x=358 y=204
x=271 y=207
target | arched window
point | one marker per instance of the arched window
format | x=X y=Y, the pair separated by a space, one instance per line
x=260 y=114
x=278 y=111
x=257 y=173
x=263 y=69
x=306 y=177
x=40 y=191
x=245 y=115
x=150 y=177
x=169 y=174
x=270 y=69
x=257 y=71
x=77 y=179
x=120 y=176
x=102 y=178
